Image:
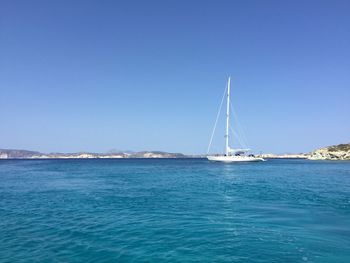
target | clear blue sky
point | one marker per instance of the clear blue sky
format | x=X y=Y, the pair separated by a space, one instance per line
x=149 y=75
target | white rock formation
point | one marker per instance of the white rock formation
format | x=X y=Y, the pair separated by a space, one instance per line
x=3 y=155
x=284 y=156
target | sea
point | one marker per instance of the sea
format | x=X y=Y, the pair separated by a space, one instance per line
x=174 y=210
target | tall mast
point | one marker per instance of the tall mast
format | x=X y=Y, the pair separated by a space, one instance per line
x=228 y=114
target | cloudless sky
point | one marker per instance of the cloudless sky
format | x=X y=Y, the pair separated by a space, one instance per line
x=149 y=75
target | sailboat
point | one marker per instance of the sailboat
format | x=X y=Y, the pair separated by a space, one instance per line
x=231 y=155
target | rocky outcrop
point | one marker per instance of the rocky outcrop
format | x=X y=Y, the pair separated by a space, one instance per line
x=336 y=152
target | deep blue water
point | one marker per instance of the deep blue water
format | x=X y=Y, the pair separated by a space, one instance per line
x=174 y=210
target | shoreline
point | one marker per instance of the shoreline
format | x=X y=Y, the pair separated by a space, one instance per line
x=132 y=158
x=336 y=152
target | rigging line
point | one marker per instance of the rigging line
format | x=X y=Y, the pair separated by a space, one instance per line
x=240 y=142
x=240 y=129
x=240 y=138
x=237 y=138
x=216 y=121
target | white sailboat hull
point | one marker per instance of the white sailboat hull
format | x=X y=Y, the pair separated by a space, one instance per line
x=231 y=155
x=233 y=159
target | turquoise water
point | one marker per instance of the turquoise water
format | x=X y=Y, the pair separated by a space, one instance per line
x=174 y=210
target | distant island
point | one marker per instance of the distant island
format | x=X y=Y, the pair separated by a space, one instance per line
x=335 y=152
x=24 y=154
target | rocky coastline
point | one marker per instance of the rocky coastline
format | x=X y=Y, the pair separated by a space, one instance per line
x=332 y=153
x=24 y=154
x=335 y=152
x=284 y=156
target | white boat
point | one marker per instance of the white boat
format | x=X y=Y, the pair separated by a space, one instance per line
x=231 y=155
x=234 y=158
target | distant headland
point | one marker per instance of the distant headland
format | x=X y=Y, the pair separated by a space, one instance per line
x=330 y=153
x=24 y=154
x=335 y=152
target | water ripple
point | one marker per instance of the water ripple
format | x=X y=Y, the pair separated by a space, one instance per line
x=174 y=211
